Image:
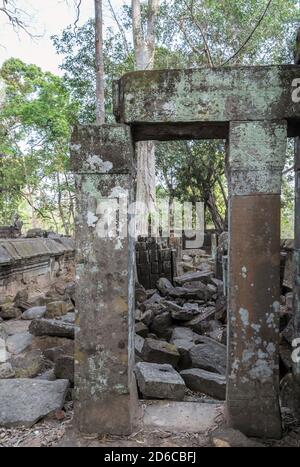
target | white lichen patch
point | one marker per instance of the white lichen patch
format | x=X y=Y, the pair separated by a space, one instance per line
x=244 y=272
x=96 y=163
x=91 y=219
x=244 y=314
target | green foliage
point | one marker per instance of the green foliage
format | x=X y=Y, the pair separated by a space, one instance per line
x=36 y=119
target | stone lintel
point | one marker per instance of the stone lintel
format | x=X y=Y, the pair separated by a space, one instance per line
x=206 y=95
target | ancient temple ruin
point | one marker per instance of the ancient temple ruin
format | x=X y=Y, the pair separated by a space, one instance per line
x=255 y=109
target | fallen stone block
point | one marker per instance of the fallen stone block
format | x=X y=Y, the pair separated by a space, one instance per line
x=64 y=368
x=51 y=327
x=34 y=312
x=141 y=329
x=203 y=276
x=9 y=311
x=230 y=438
x=184 y=347
x=212 y=384
x=206 y=313
x=15 y=326
x=182 y=333
x=157 y=351
x=28 y=364
x=23 y=402
x=164 y=286
x=209 y=355
x=70 y=317
x=56 y=309
x=18 y=342
x=138 y=345
x=162 y=325
x=6 y=371
x=159 y=381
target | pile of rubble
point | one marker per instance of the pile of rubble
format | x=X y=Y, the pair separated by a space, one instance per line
x=36 y=354
x=181 y=337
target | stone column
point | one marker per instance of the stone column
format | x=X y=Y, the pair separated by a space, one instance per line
x=102 y=160
x=296 y=257
x=256 y=160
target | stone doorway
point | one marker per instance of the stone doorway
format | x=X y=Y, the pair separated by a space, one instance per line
x=251 y=107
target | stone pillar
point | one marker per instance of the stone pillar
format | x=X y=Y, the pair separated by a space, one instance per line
x=296 y=256
x=102 y=160
x=256 y=160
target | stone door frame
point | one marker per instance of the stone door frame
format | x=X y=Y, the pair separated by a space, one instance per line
x=255 y=110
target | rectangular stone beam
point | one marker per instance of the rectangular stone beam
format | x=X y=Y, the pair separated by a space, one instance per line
x=102 y=159
x=256 y=160
x=154 y=102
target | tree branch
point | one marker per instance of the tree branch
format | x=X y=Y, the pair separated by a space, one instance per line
x=120 y=27
x=250 y=35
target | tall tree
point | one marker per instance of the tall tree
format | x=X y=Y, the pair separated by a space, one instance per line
x=144 y=48
x=100 y=106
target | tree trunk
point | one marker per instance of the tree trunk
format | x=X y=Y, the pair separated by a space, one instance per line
x=144 y=48
x=100 y=108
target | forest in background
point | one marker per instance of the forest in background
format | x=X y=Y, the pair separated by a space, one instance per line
x=38 y=109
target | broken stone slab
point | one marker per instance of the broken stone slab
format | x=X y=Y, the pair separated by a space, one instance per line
x=44 y=343
x=199 y=292
x=34 y=312
x=23 y=402
x=157 y=351
x=141 y=329
x=52 y=328
x=158 y=381
x=6 y=371
x=206 y=313
x=184 y=347
x=64 y=368
x=212 y=384
x=179 y=313
x=182 y=333
x=209 y=355
x=18 y=342
x=16 y=327
x=28 y=365
x=230 y=438
x=56 y=309
x=162 y=325
x=164 y=286
x=203 y=276
x=138 y=345
x=70 y=317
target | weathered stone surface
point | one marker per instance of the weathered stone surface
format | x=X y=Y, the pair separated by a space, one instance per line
x=28 y=365
x=25 y=401
x=183 y=333
x=225 y=94
x=64 y=368
x=156 y=351
x=290 y=394
x=56 y=309
x=15 y=327
x=68 y=318
x=161 y=325
x=34 y=313
x=229 y=438
x=9 y=311
x=47 y=375
x=210 y=356
x=141 y=329
x=159 y=381
x=203 y=276
x=46 y=342
x=179 y=313
x=184 y=347
x=212 y=384
x=52 y=328
x=102 y=158
x=139 y=342
x=6 y=371
x=164 y=286
x=196 y=324
x=18 y=342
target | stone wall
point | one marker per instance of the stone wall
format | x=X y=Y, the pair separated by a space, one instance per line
x=33 y=262
x=153 y=261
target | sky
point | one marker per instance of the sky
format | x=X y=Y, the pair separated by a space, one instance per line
x=46 y=18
